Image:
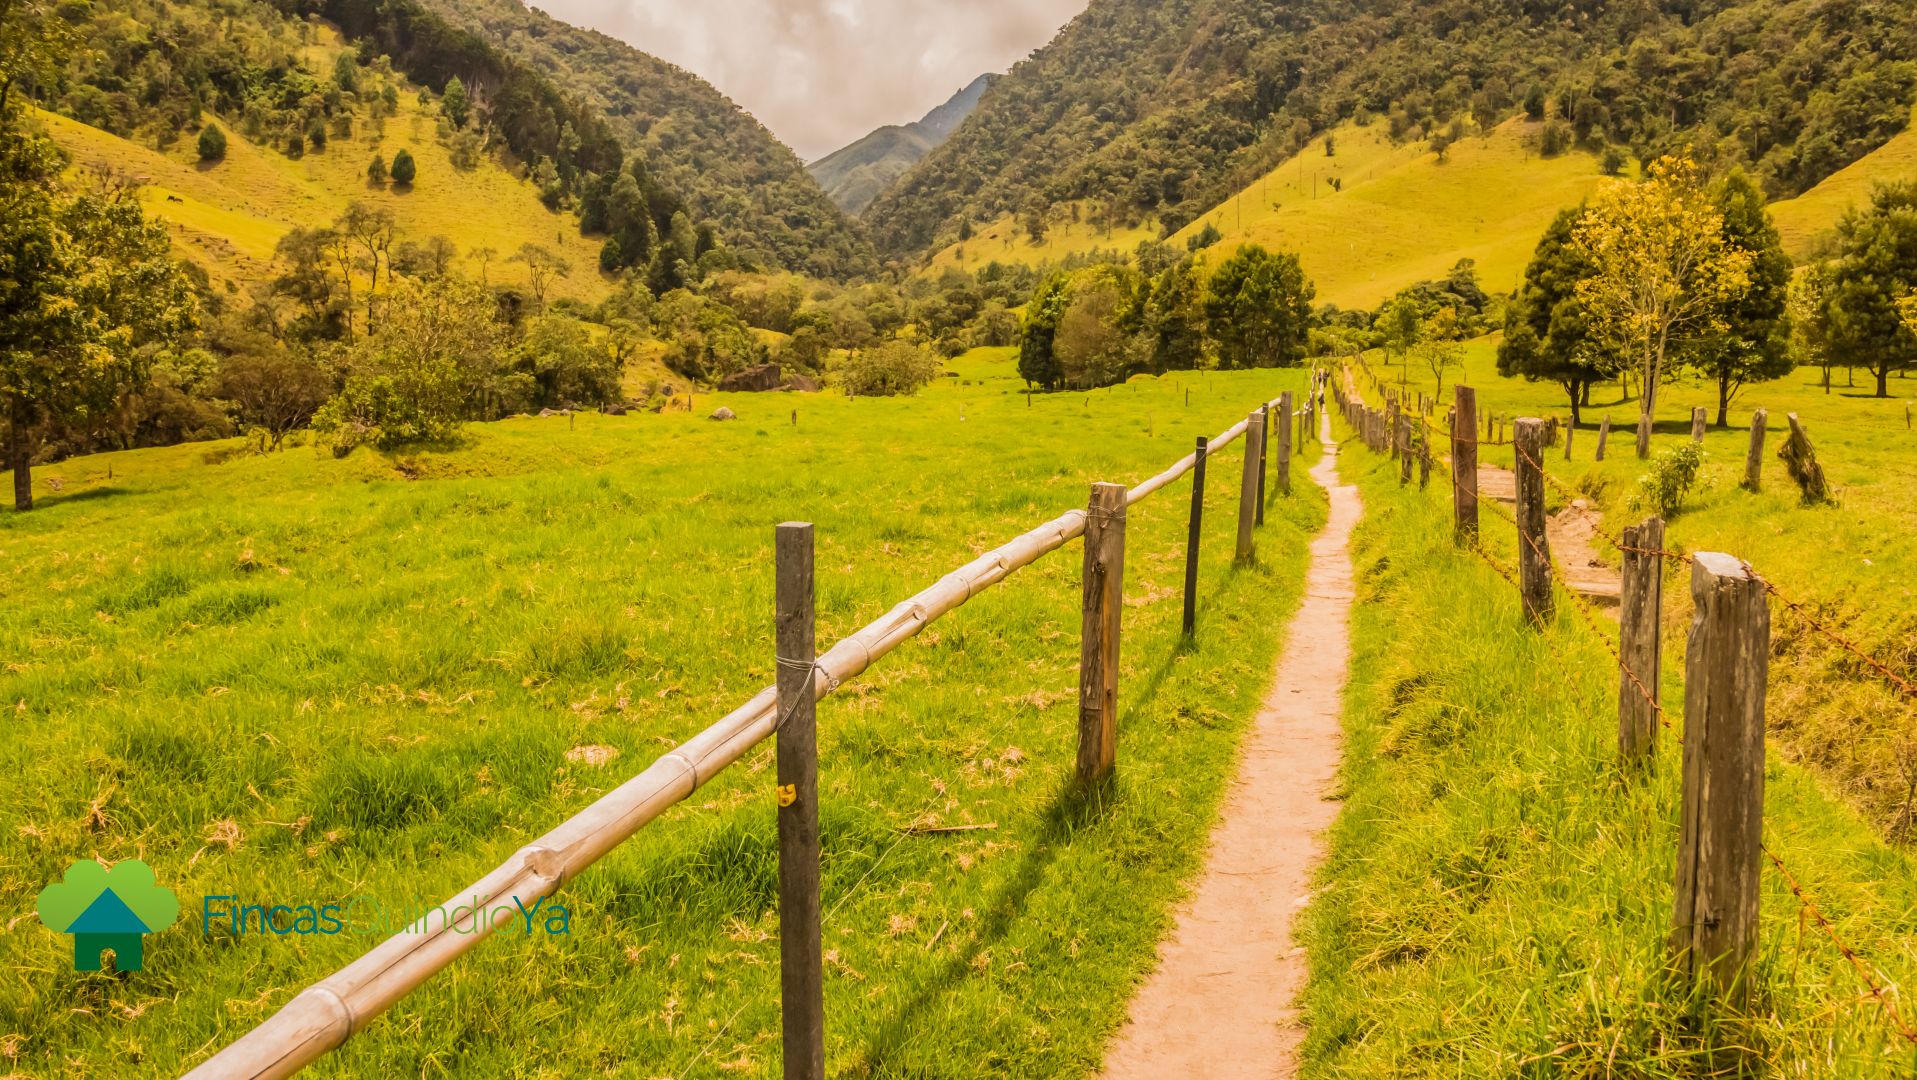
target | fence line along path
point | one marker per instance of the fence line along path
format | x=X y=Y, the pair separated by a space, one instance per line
x=1220 y=1004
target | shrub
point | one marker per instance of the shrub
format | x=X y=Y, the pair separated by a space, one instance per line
x=212 y=144
x=403 y=168
x=1673 y=474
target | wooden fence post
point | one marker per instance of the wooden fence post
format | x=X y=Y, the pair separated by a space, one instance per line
x=1569 y=431
x=1248 y=490
x=1393 y=426
x=1604 y=436
x=1424 y=458
x=1285 y=424
x=1192 y=534
x=1720 y=837
x=1640 y=660
x=1534 y=547
x=1402 y=440
x=801 y=964
x=1464 y=465
x=1104 y=603
x=1698 y=421
x=1264 y=437
x=1754 y=462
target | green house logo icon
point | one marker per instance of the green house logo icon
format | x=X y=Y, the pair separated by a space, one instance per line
x=107 y=909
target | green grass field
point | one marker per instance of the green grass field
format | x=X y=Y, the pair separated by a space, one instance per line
x=1005 y=241
x=1806 y=221
x=1852 y=562
x=228 y=216
x=295 y=679
x=1497 y=896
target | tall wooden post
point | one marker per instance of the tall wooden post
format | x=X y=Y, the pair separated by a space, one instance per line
x=1699 y=420
x=1402 y=441
x=1193 y=532
x=1464 y=464
x=1569 y=431
x=1640 y=659
x=1604 y=436
x=1264 y=437
x=801 y=970
x=1720 y=833
x=1104 y=602
x=1754 y=462
x=1534 y=548
x=1248 y=490
x=1393 y=415
x=1285 y=424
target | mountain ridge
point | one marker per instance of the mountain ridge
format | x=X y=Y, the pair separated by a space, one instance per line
x=859 y=172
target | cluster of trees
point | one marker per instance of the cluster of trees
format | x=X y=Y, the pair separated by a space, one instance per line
x=1675 y=274
x=1103 y=324
x=1162 y=110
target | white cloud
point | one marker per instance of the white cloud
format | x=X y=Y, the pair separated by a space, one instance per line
x=821 y=73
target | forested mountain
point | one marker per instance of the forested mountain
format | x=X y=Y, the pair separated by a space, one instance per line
x=696 y=141
x=856 y=174
x=1161 y=108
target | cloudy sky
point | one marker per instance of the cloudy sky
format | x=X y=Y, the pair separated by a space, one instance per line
x=821 y=73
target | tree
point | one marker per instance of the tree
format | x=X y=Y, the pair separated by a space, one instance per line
x=403 y=169
x=273 y=388
x=1399 y=326
x=376 y=171
x=1092 y=347
x=1175 y=318
x=1258 y=306
x=1037 y=358
x=1809 y=322
x=1661 y=269
x=892 y=369
x=541 y=267
x=1874 y=271
x=1750 y=340
x=1907 y=307
x=568 y=367
x=90 y=290
x=1546 y=333
x=371 y=230
x=212 y=144
x=1439 y=348
x=454 y=102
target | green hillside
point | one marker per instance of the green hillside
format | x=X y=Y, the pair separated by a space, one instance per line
x=1164 y=109
x=856 y=174
x=725 y=163
x=1806 y=220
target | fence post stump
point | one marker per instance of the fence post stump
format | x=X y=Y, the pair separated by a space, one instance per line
x=801 y=965
x=1698 y=421
x=1284 y=443
x=1104 y=603
x=1464 y=464
x=1264 y=437
x=1534 y=548
x=1604 y=436
x=1640 y=660
x=1569 y=431
x=1719 y=852
x=1754 y=461
x=1248 y=490
x=1192 y=534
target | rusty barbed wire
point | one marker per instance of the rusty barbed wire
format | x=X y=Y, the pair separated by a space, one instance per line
x=1863 y=970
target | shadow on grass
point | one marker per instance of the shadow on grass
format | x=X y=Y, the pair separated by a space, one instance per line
x=1073 y=809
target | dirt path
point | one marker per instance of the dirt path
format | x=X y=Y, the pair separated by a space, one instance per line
x=1221 y=1003
x=1569 y=531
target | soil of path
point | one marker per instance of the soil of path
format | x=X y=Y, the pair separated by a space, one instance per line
x=1222 y=1002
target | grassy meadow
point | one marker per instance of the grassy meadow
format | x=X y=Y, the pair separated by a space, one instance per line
x=1497 y=895
x=295 y=679
x=1853 y=562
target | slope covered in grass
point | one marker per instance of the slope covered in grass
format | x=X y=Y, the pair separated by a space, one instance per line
x=1805 y=221
x=228 y=215
x=1497 y=897
x=299 y=679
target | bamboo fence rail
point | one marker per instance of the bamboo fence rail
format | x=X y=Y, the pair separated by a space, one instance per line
x=323 y=1016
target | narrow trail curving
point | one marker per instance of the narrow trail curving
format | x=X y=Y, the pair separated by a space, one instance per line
x=1222 y=1002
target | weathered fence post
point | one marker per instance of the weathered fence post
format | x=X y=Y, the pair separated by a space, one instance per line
x=1720 y=836
x=1464 y=464
x=1194 y=531
x=1604 y=436
x=1394 y=428
x=1264 y=434
x=1104 y=603
x=1800 y=460
x=1285 y=424
x=1402 y=440
x=1534 y=548
x=1640 y=660
x=801 y=964
x=1698 y=422
x=1424 y=458
x=1569 y=431
x=1754 y=461
x=1248 y=491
